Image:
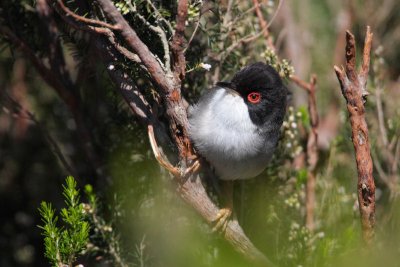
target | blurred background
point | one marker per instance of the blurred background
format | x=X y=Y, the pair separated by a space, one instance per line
x=92 y=135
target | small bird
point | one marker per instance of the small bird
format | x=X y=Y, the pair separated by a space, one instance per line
x=236 y=126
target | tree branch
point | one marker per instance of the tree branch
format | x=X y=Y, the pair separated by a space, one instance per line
x=353 y=86
x=86 y=20
x=178 y=40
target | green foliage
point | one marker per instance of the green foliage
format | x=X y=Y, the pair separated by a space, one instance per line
x=64 y=243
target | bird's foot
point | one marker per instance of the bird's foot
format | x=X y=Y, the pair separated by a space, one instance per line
x=192 y=169
x=221 y=221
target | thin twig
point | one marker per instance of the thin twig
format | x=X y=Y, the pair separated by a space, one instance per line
x=79 y=24
x=275 y=13
x=264 y=25
x=158 y=15
x=86 y=20
x=246 y=39
x=396 y=161
x=163 y=37
x=380 y=170
x=225 y=31
x=381 y=116
x=312 y=147
x=195 y=29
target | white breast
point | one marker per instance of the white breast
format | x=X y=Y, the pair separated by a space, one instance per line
x=222 y=131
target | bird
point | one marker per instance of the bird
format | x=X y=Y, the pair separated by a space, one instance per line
x=235 y=126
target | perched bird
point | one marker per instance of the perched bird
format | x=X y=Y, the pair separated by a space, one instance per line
x=236 y=125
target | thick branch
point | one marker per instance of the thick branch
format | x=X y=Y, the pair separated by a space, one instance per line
x=353 y=86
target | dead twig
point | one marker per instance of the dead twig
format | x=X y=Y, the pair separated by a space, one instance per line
x=86 y=20
x=353 y=87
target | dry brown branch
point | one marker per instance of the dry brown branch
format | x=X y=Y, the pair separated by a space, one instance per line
x=353 y=85
x=178 y=40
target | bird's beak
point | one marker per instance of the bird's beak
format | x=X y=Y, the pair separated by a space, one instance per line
x=225 y=85
x=229 y=86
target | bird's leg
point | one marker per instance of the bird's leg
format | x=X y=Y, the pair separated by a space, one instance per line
x=192 y=168
x=225 y=213
x=161 y=158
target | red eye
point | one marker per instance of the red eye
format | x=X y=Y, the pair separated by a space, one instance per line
x=254 y=97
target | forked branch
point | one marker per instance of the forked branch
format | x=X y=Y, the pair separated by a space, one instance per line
x=354 y=89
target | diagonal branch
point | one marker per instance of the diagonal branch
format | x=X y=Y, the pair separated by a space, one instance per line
x=353 y=86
